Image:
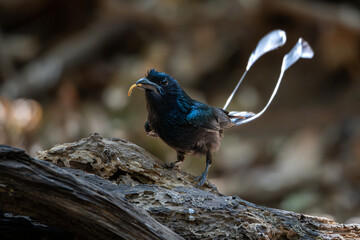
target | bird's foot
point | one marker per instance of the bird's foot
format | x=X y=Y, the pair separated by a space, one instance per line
x=201 y=179
x=171 y=165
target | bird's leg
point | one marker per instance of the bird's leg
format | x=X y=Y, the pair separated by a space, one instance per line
x=180 y=159
x=202 y=177
x=149 y=131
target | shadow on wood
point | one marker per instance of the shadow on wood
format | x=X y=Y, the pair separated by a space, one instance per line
x=111 y=188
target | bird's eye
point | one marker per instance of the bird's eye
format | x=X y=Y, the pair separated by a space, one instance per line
x=164 y=82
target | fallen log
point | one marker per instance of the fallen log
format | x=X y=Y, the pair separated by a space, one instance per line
x=110 y=188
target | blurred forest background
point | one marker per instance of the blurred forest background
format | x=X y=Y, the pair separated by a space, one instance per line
x=66 y=66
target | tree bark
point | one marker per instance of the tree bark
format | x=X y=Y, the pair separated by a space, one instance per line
x=113 y=189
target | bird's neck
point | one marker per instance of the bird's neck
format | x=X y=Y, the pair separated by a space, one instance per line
x=160 y=104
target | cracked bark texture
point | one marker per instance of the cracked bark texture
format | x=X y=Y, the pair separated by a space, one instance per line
x=112 y=188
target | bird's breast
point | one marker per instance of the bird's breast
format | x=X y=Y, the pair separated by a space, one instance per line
x=174 y=130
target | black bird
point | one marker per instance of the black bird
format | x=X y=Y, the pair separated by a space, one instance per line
x=186 y=125
x=189 y=126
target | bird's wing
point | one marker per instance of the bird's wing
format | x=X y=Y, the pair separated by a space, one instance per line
x=207 y=117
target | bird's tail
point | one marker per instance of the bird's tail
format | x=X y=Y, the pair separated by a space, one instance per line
x=274 y=39
x=269 y=42
x=237 y=117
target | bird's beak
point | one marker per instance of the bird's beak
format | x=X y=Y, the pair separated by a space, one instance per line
x=144 y=83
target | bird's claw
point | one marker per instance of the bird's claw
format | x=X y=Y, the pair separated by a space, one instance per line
x=201 y=179
x=169 y=165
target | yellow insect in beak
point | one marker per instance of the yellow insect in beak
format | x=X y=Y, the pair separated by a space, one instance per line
x=132 y=87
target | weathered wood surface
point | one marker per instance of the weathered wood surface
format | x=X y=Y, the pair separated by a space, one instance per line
x=117 y=184
x=68 y=200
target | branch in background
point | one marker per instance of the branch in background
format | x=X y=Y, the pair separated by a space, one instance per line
x=43 y=73
x=339 y=14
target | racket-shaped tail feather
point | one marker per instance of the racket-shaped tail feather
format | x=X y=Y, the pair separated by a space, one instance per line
x=301 y=50
x=269 y=42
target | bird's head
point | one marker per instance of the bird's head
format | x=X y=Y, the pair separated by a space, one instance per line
x=157 y=84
